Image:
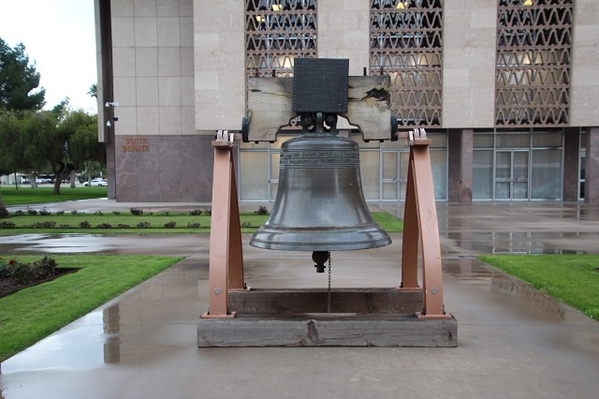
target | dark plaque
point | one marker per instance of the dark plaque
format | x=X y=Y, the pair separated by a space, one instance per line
x=320 y=85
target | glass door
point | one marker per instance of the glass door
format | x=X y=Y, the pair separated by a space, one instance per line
x=390 y=176
x=512 y=175
x=394 y=171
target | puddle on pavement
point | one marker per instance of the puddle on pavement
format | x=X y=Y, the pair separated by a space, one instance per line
x=89 y=342
x=473 y=271
x=536 y=243
x=53 y=243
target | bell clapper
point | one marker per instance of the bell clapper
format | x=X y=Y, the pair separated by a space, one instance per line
x=319 y=257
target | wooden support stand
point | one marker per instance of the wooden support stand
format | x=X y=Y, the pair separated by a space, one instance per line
x=407 y=316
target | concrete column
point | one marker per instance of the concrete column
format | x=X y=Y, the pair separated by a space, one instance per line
x=460 y=165
x=453 y=164
x=591 y=185
x=466 y=145
x=571 y=154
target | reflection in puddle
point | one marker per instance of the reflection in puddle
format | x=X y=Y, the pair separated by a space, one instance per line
x=55 y=243
x=86 y=343
x=538 y=300
x=533 y=243
x=473 y=271
x=112 y=326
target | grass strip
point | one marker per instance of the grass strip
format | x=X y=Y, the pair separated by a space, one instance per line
x=572 y=279
x=26 y=195
x=35 y=312
x=155 y=223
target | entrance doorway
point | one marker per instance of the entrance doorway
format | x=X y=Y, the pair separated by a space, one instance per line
x=394 y=173
x=512 y=175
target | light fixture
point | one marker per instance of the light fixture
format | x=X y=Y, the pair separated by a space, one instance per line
x=401 y=5
x=109 y=123
x=276 y=7
x=527 y=3
x=259 y=18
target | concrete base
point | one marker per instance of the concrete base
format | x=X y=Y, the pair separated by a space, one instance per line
x=358 y=317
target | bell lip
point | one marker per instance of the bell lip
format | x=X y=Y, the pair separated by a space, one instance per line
x=311 y=247
x=310 y=239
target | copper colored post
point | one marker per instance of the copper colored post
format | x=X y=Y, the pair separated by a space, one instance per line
x=420 y=226
x=226 y=258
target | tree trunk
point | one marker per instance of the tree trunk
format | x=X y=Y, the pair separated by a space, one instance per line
x=57 y=180
x=73 y=179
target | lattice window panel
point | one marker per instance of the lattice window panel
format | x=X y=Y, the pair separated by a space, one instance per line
x=277 y=32
x=406 y=42
x=532 y=79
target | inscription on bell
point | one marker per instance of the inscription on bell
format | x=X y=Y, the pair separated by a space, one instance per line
x=320 y=85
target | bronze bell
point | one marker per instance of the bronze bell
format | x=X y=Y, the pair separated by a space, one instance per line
x=320 y=205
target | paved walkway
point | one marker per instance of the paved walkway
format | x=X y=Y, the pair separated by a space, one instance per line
x=513 y=342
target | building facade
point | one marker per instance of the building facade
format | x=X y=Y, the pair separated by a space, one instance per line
x=507 y=89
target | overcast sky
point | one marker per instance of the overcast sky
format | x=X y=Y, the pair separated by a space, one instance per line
x=59 y=36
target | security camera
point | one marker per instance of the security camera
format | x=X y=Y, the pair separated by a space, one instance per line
x=111 y=104
x=108 y=124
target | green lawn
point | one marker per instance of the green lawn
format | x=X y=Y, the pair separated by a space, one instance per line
x=26 y=195
x=33 y=313
x=573 y=279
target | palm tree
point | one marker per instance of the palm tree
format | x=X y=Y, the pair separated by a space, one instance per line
x=93 y=91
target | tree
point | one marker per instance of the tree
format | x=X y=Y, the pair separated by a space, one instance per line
x=81 y=130
x=12 y=159
x=18 y=80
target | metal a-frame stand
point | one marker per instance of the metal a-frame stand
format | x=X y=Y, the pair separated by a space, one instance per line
x=408 y=315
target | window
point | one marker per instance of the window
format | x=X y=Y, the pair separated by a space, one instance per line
x=532 y=79
x=406 y=41
x=277 y=32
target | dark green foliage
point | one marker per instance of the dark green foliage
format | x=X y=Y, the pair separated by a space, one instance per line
x=84 y=225
x=7 y=225
x=3 y=210
x=48 y=224
x=261 y=211
x=18 y=80
x=143 y=225
x=170 y=225
x=25 y=273
x=137 y=211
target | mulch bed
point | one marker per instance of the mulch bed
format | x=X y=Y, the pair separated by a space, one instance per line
x=8 y=286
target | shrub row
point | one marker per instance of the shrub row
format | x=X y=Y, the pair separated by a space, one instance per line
x=49 y=224
x=134 y=211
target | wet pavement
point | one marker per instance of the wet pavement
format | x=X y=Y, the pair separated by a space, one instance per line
x=513 y=341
